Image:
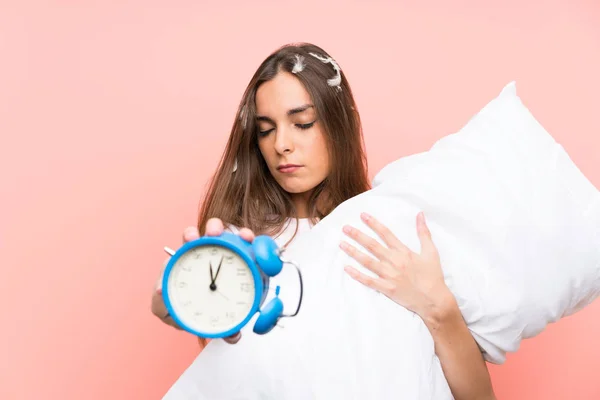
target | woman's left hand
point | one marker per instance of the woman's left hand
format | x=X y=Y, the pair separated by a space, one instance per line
x=416 y=281
x=413 y=280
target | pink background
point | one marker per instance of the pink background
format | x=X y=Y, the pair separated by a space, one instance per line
x=113 y=114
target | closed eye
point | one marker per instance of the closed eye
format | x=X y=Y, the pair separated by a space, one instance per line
x=306 y=126
x=265 y=133
x=301 y=126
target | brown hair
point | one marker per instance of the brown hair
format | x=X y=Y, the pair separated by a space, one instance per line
x=250 y=197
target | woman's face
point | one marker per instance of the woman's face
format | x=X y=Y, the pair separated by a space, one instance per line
x=290 y=137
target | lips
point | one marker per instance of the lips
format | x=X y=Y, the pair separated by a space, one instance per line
x=288 y=168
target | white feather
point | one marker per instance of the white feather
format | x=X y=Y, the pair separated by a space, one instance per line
x=299 y=65
x=336 y=81
x=243 y=117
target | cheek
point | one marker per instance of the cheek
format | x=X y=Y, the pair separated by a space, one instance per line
x=263 y=146
x=325 y=164
x=319 y=150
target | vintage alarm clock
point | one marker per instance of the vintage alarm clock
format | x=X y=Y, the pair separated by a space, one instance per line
x=214 y=285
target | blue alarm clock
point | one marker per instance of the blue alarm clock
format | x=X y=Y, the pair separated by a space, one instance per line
x=214 y=285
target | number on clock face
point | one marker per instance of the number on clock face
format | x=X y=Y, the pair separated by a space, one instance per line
x=211 y=301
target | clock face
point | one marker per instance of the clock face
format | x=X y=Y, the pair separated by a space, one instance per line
x=211 y=289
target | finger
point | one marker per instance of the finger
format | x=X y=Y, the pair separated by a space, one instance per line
x=170 y=321
x=214 y=227
x=190 y=233
x=159 y=281
x=246 y=234
x=233 y=339
x=159 y=309
x=158 y=306
x=374 y=283
x=427 y=245
x=370 y=244
x=366 y=261
x=384 y=233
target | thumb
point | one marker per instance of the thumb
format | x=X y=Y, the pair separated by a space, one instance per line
x=190 y=233
x=427 y=246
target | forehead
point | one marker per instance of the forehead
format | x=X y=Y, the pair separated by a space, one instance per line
x=280 y=94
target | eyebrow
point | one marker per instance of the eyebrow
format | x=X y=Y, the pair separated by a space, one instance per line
x=296 y=110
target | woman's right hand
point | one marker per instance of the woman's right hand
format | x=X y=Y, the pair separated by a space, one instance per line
x=214 y=227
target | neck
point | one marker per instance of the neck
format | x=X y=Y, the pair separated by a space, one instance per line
x=301 y=203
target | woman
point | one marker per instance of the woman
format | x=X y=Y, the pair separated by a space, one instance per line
x=294 y=154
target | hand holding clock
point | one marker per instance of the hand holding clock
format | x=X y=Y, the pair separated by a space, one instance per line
x=214 y=227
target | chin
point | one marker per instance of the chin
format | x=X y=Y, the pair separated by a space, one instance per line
x=297 y=188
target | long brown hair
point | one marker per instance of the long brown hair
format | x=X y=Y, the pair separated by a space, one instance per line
x=250 y=197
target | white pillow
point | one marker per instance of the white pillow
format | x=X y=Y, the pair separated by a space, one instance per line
x=516 y=222
x=517 y=227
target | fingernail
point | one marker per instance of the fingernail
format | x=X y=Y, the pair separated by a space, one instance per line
x=347 y=229
x=365 y=216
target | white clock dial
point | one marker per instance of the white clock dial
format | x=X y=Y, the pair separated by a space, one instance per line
x=211 y=303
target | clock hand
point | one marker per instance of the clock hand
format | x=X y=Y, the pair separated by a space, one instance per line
x=221 y=293
x=219 y=268
x=212 y=286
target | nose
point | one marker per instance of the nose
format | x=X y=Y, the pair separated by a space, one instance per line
x=284 y=141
